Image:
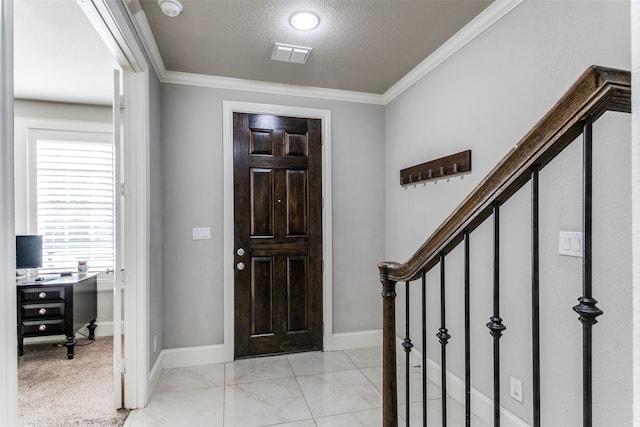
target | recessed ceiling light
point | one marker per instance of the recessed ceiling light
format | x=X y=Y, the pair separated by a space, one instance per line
x=171 y=8
x=304 y=21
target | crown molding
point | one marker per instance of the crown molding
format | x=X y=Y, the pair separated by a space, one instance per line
x=229 y=83
x=494 y=12
x=139 y=19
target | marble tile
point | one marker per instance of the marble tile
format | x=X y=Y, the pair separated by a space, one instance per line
x=318 y=362
x=258 y=369
x=372 y=417
x=305 y=423
x=194 y=377
x=264 y=403
x=455 y=414
x=339 y=392
x=366 y=357
x=194 y=408
x=415 y=385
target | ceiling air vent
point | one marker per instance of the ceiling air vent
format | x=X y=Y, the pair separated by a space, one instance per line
x=290 y=53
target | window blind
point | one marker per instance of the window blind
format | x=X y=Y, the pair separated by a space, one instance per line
x=75 y=203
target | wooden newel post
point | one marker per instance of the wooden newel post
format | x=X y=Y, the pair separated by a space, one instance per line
x=389 y=377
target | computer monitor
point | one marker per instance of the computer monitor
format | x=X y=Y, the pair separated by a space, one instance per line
x=28 y=252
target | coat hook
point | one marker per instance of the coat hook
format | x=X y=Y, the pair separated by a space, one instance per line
x=441 y=171
x=455 y=168
x=430 y=174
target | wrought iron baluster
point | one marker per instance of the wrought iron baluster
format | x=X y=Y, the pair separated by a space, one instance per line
x=424 y=348
x=587 y=308
x=467 y=334
x=407 y=345
x=495 y=325
x=443 y=335
x=535 y=292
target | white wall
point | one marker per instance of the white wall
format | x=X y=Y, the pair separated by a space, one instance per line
x=193 y=196
x=485 y=98
x=635 y=60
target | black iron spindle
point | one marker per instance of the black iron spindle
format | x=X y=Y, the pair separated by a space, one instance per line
x=407 y=345
x=424 y=348
x=443 y=335
x=467 y=334
x=587 y=308
x=495 y=325
x=535 y=292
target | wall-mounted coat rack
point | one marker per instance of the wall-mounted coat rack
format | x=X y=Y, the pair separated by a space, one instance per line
x=443 y=167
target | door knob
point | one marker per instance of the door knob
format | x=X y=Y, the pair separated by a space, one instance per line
x=240 y=266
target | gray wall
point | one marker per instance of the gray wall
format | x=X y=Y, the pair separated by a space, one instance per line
x=191 y=126
x=485 y=98
x=155 y=223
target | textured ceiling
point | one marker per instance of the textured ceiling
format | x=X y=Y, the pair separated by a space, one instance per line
x=363 y=46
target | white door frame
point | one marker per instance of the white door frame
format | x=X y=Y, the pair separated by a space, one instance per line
x=8 y=332
x=111 y=24
x=230 y=107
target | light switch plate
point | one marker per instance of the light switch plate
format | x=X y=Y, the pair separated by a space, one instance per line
x=570 y=243
x=201 y=233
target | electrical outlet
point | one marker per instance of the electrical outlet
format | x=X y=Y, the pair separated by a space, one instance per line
x=516 y=389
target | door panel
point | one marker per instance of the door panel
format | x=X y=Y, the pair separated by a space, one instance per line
x=278 y=234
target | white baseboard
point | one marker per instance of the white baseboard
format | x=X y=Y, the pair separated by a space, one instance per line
x=349 y=340
x=210 y=354
x=481 y=404
x=183 y=358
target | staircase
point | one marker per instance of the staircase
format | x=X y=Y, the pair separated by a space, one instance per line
x=597 y=91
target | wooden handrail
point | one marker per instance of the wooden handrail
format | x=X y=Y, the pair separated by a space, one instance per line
x=598 y=89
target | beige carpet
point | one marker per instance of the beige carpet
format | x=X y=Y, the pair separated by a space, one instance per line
x=55 y=391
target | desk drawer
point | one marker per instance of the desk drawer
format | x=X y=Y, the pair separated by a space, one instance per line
x=42 y=294
x=43 y=327
x=43 y=311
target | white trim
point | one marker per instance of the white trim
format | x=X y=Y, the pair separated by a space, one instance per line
x=493 y=13
x=481 y=404
x=185 y=357
x=479 y=24
x=228 y=108
x=350 y=340
x=112 y=25
x=192 y=356
x=229 y=83
x=8 y=362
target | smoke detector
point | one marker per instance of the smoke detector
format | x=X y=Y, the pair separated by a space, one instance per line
x=171 y=8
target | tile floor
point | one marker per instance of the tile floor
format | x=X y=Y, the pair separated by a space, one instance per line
x=340 y=388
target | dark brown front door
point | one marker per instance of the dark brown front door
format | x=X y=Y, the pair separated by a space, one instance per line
x=278 y=234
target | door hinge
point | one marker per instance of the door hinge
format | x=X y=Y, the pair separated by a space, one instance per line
x=123 y=366
x=123 y=275
x=124 y=102
x=122 y=188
